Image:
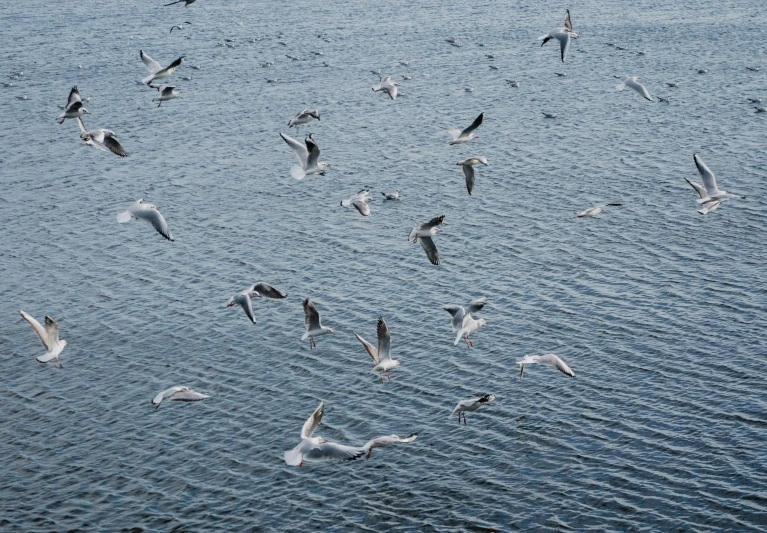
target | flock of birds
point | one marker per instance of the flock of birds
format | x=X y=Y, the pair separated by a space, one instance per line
x=464 y=323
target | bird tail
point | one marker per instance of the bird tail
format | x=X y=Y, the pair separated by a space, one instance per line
x=305 y=336
x=297 y=172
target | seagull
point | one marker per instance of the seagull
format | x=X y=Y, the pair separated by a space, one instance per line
x=167 y=92
x=674 y=85
x=313 y=321
x=469 y=89
x=753 y=69
x=304 y=117
x=179 y=26
x=195 y=67
x=187 y=78
x=755 y=100
x=460 y=137
x=74 y=107
x=702 y=70
x=267 y=64
x=492 y=67
x=459 y=312
x=308 y=155
x=642 y=52
x=468 y=326
x=156 y=70
x=386 y=441
x=178 y=1
x=490 y=56
x=50 y=338
x=390 y=87
x=426 y=231
x=25 y=97
x=562 y=35
x=404 y=63
x=315 y=449
x=471 y=404
x=758 y=109
x=102 y=139
x=143 y=211
x=621 y=48
x=549 y=115
x=394 y=196
x=513 y=83
x=631 y=81
x=709 y=182
x=666 y=99
x=178 y=394
x=381 y=355
x=468 y=169
x=244 y=298
x=359 y=201
x=594 y=211
x=545 y=359
x=561 y=74
x=709 y=206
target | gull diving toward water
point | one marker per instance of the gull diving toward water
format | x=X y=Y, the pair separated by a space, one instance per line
x=178 y=26
x=390 y=87
x=308 y=155
x=316 y=449
x=101 y=139
x=167 y=92
x=594 y=211
x=463 y=323
x=359 y=201
x=563 y=35
x=382 y=355
x=49 y=335
x=155 y=69
x=545 y=359
x=144 y=211
x=471 y=404
x=245 y=298
x=313 y=322
x=460 y=137
x=178 y=394
x=304 y=117
x=386 y=441
x=713 y=193
x=74 y=107
x=394 y=196
x=631 y=81
x=426 y=231
x=468 y=169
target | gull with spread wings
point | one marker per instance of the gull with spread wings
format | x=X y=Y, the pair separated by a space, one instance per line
x=316 y=449
x=102 y=139
x=74 y=107
x=381 y=355
x=156 y=72
x=468 y=169
x=464 y=136
x=141 y=210
x=463 y=323
x=178 y=393
x=563 y=35
x=308 y=155
x=549 y=359
x=313 y=322
x=244 y=298
x=425 y=232
x=49 y=335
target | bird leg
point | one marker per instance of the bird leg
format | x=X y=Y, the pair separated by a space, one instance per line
x=382 y=377
x=464 y=419
x=388 y=376
x=158 y=105
x=370 y=452
x=466 y=340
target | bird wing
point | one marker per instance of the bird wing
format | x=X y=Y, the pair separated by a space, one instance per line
x=41 y=332
x=313 y=421
x=114 y=146
x=166 y=90
x=152 y=66
x=74 y=96
x=436 y=221
x=431 y=250
x=187 y=396
x=371 y=350
x=458 y=313
x=173 y=66
x=564 y=44
x=52 y=330
x=476 y=305
x=312 y=317
x=391 y=90
x=638 y=87
x=709 y=180
x=313 y=152
x=155 y=218
x=264 y=289
x=474 y=125
x=568 y=22
x=82 y=125
x=556 y=362
x=299 y=148
x=468 y=171
x=247 y=305
x=700 y=189
x=362 y=207
x=384 y=340
x=331 y=451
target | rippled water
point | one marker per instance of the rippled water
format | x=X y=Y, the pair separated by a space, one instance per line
x=660 y=311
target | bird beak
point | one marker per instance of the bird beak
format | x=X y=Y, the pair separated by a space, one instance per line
x=230 y=304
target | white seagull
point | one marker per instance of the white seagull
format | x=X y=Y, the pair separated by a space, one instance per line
x=426 y=231
x=308 y=155
x=167 y=92
x=563 y=35
x=304 y=117
x=386 y=441
x=468 y=169
x=463 y=323
x=178 y=26
x=316 y=449
x=313 y=322
x=144 y=211
x=49 y=335
x=708 y=207
x=709 y=182
x=74 y=107
x=394 y=196
x=156 y=72
x=101 y=139
x=460 y=137
x=469 y=326
x=471 y=404
x=390 y=87
x=178 y=394
x=244 y=298
x=382 y=355
x=359 y=201
x=631 y=81
x=594 y=211
x=545 y=359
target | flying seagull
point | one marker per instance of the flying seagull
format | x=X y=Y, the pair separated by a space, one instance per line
x=74 y=107
x=101 y=139
x=382 y=355
x=313 y=322
x=49 y=335
x=708 y=207
x=386 y=441
x=144 y=211
x=563 y=35
x=426 y=231
x=304 y=117
x=316 y=449
x=390 y=87
x=155 y=69
x=545 y=359
x=167 y=92
x=594 y=211
x=178 y=394
x=359 y=201
x=308 y=155
x=460 y=137
x=459 y=312
x=178 y=26
x=633 y=83
x=468 y=169
x=260 y=289
x=471 y=404
x=709 y=182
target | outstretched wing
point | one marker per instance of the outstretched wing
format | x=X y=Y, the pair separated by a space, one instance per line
x=155 y=218
x=331 y=451
x=709 y=180
x=74 y=96
x=152 y=66
x=114 y=146
x=313 y=152
x=468 y=171
x=188 y=396
x=312 y=317
x=384 y=340
x=568 y=22
x=476 y=305
x=313 y=422
x=436 y=221
x=431 y=250
x=41 y=332
x=362 y=207
x=264 y=289
x=299 y=148
x=556 y=362
x=474 y=125
x=371 y=350
x=457 y=312
x=564 y=44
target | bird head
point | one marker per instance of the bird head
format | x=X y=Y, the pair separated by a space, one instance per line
x=85 y=111
x=482 y=322
x=321 y=440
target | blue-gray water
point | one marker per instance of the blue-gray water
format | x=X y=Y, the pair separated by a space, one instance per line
x=660 y=311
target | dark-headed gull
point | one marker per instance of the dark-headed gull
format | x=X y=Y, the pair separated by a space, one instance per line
x=709 y=182
x=426 y=231
x=74 y=107
x=390 y=87
x=633 y=83
x=178 y=394
x=359 y=201
x=49 y=335
x=460 y=137
x=316 y=449
x=156 y=72
x=594 y=211
x=545 y=359
x=472 y=404
x=308 y=154
x=101 y=139
x=468 y=169
x=394 y=196
x=386 y=441
x=563 y=35
x=260 y=289
x=382 y=355
x=313 y=322
x=167 y=92
x=144 y=211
